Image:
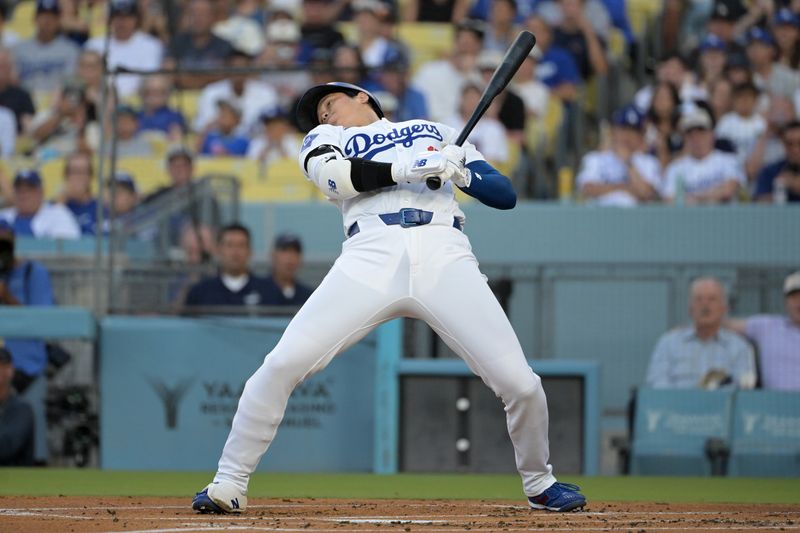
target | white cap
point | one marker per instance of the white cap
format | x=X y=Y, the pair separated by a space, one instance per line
x=283 y=31
x=695 y=118
x=791 y=283
x=489 y=59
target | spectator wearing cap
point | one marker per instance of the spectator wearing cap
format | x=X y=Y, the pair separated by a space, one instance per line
x=241 y=29
x=726 y=21
x=489 y=135
x=622 y=175
x=450 y=72
x=368 y=17
x=742 y=126
x=394 y=79
x=704 y=175
x=282 y=52
x=128 y=47
x=31 y=216
x=737 y=69
x=16 y=418
x=712 y=53
x=198 y=47
x=221 y=139
x=12 y=96
x=769 y=75
x=557 y=68
x=786 y=172
x=77 y=192
x=235 y=284
x=124 y=194
x=282 y=286
x=581 y=33
x=24 y=282
x=786 y=29
x=421 y=11
x=318 y=29
x=251 y=94
x=511 y=108
x=47 y=59
x=278 y=140
x=156 y=114
x=777 y=338
x=130 y=140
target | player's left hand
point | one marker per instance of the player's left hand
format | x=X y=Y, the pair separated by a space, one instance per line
x=457 y=159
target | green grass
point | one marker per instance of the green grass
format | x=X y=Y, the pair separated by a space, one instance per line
x=74 y=482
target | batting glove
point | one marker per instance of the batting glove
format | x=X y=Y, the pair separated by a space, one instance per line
x=422 y=166
x=457 y=159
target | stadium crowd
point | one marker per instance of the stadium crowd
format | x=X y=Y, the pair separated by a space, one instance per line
x=713 y=118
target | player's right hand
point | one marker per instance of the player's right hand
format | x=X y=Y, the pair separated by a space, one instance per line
x=422 y=166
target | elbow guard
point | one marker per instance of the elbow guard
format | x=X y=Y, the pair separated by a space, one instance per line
x=330 y=171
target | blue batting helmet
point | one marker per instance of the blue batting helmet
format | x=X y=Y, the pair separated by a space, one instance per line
x=307 y=106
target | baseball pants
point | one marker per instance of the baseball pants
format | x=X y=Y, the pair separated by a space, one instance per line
x=385 y=272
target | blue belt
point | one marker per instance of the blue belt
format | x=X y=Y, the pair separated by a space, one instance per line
x=406 y=218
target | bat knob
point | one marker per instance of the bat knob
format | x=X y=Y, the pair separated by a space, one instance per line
x=433 y=183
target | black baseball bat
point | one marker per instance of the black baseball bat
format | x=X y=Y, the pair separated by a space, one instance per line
x=514 y=57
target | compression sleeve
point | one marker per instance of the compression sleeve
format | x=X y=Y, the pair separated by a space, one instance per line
x=490 y=187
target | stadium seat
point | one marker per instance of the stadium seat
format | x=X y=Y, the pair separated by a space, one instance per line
x=672 y=429
x=428 y=41
x=541 y=133
x=641 y=13
x=281 y=181
x=149 y=173
x=22 y=17
x=52 y=172
x=766 y=434
x=186 y=102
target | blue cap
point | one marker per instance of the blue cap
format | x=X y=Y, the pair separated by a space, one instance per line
x=786 y=16
x=273 y=113
x=288 y=240
x=628 y=117
x=123 y=7
x=48 y=6
x=28 y=176
x=126 y=180
x=5 y=225
x=712 y=42
x=761 y=35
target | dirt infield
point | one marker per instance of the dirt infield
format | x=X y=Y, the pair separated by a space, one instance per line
x=162 y=515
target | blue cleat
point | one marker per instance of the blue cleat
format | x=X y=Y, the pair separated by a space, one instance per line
x=560 y=497
x=221 y=500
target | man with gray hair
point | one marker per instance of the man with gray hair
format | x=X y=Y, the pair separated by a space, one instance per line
x=703 y=355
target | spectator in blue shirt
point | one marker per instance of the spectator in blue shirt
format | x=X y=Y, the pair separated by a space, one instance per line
x=703 y=355
x=394 y=79
x=77 y=193
x=282 y=287
x=156 y=115
x=786 y=172
x=222 y=139
x=234 y=285
x=26 y=283
x=557 y=68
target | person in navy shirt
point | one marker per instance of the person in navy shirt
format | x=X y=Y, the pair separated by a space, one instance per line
x=282 y=285
x=222 y=139
x=234 y=285
x=77 y=192
x=787 y=170
x=156 y=115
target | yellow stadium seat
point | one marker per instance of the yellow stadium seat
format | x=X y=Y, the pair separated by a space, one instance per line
x=149 y=173
x=541 y=132
x=641 y=13
x=428 y=41
x=281 y=181
x=185 y=102
x=52 y=172
x=21 y=21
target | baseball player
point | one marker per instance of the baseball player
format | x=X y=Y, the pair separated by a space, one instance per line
x=405 y=256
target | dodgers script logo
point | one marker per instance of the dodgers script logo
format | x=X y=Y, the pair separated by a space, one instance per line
x=366 y=146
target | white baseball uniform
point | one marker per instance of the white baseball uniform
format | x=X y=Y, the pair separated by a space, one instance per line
x=390 y=271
